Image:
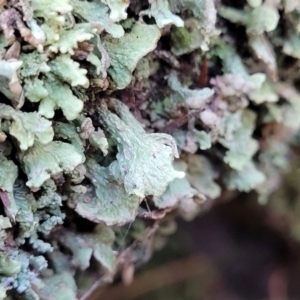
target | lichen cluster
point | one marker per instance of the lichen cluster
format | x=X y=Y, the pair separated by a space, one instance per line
x=118 y=112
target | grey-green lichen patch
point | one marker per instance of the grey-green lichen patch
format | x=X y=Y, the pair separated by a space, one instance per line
x=99 y=140
x=161 y=12
x=97 y=13
x=263 y=18
x=190 y=191
x=241 y=146
x=8 y=175
x=33 y=64
x=37 y=215
x=70 y=38
x=144 y=161
x=35 y=90
x=124 y=57
x=8 y=266
x=68 y=132
x=117 y=9
x=204 y=10
x=106 y=201
x=187 y=38
x=61 y=287
x=179 y=190
x=51 y=92
x=97 y=244
x=291 y=45
x=25 y=127
x=50 y=9
x=68 y=70
x=194 y=98
x=9 y=81
x=245 y=179
x=259 y=20
x=203 y=181
x=40 y=162
x=59 y=96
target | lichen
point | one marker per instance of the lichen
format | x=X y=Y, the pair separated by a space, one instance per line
x=117 y=112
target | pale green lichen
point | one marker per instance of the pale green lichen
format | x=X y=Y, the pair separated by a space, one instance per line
x=245 y=179
x=204 y=139
x=8 y=266
x=194 y=98
x=26 y=127
x=263 y=18
x=96 y=13
x=35 y=90
x=160 y=10
x=117 y=9
x=107 y=201
x=144 y=161
x=59 y=96
x=99 y=140
x=97 y=244
x=291 y=46
x=8 y=175
x=68 y=70
x=123 y=57
x=201 y=175
x=241 y=145
x=204 y=10
x=69 y=39
x=68 y=132
x=34 y=63
x=50 y=9
x=266 y=93
x=99 y=58
x=178 y=191
x=9 y=81
x=58 y=287
x=37 y=216
x=42 y=161
x=265 y=53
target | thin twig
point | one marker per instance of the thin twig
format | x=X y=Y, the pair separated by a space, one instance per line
x=168 y=274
